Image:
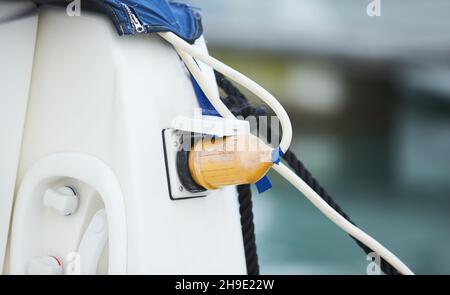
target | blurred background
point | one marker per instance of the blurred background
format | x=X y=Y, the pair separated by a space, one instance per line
x=369 y=98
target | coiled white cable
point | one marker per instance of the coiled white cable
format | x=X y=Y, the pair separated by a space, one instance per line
x=187 y=52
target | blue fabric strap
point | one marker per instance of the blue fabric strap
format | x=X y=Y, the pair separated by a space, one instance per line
x=207 y=108
x=277 y=154
x=264 y=183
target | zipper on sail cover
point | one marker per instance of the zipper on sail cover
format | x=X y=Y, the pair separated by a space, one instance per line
x=134 y=20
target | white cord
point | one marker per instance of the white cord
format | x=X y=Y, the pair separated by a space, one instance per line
x=234 y=75
x=340 y=221
x=187 y=52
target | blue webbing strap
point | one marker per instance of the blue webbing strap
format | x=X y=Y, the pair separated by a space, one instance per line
x=206 y=106
x=264 y=183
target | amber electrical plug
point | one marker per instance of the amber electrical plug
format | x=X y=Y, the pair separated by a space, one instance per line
x=233 y=160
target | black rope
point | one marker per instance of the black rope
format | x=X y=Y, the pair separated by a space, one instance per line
x=239 y=105
x=248 y=228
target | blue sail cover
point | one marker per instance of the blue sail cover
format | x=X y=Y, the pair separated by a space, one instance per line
x=155 y=16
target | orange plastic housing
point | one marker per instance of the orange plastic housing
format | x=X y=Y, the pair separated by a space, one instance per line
x=214 y=163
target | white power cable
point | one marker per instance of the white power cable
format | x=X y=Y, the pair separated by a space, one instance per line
x=340 y=221
x=243 y=80
x=187 y=52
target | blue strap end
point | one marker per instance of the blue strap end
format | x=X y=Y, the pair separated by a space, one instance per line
x=276 y=155
x=206 y=106
x=263 y=184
